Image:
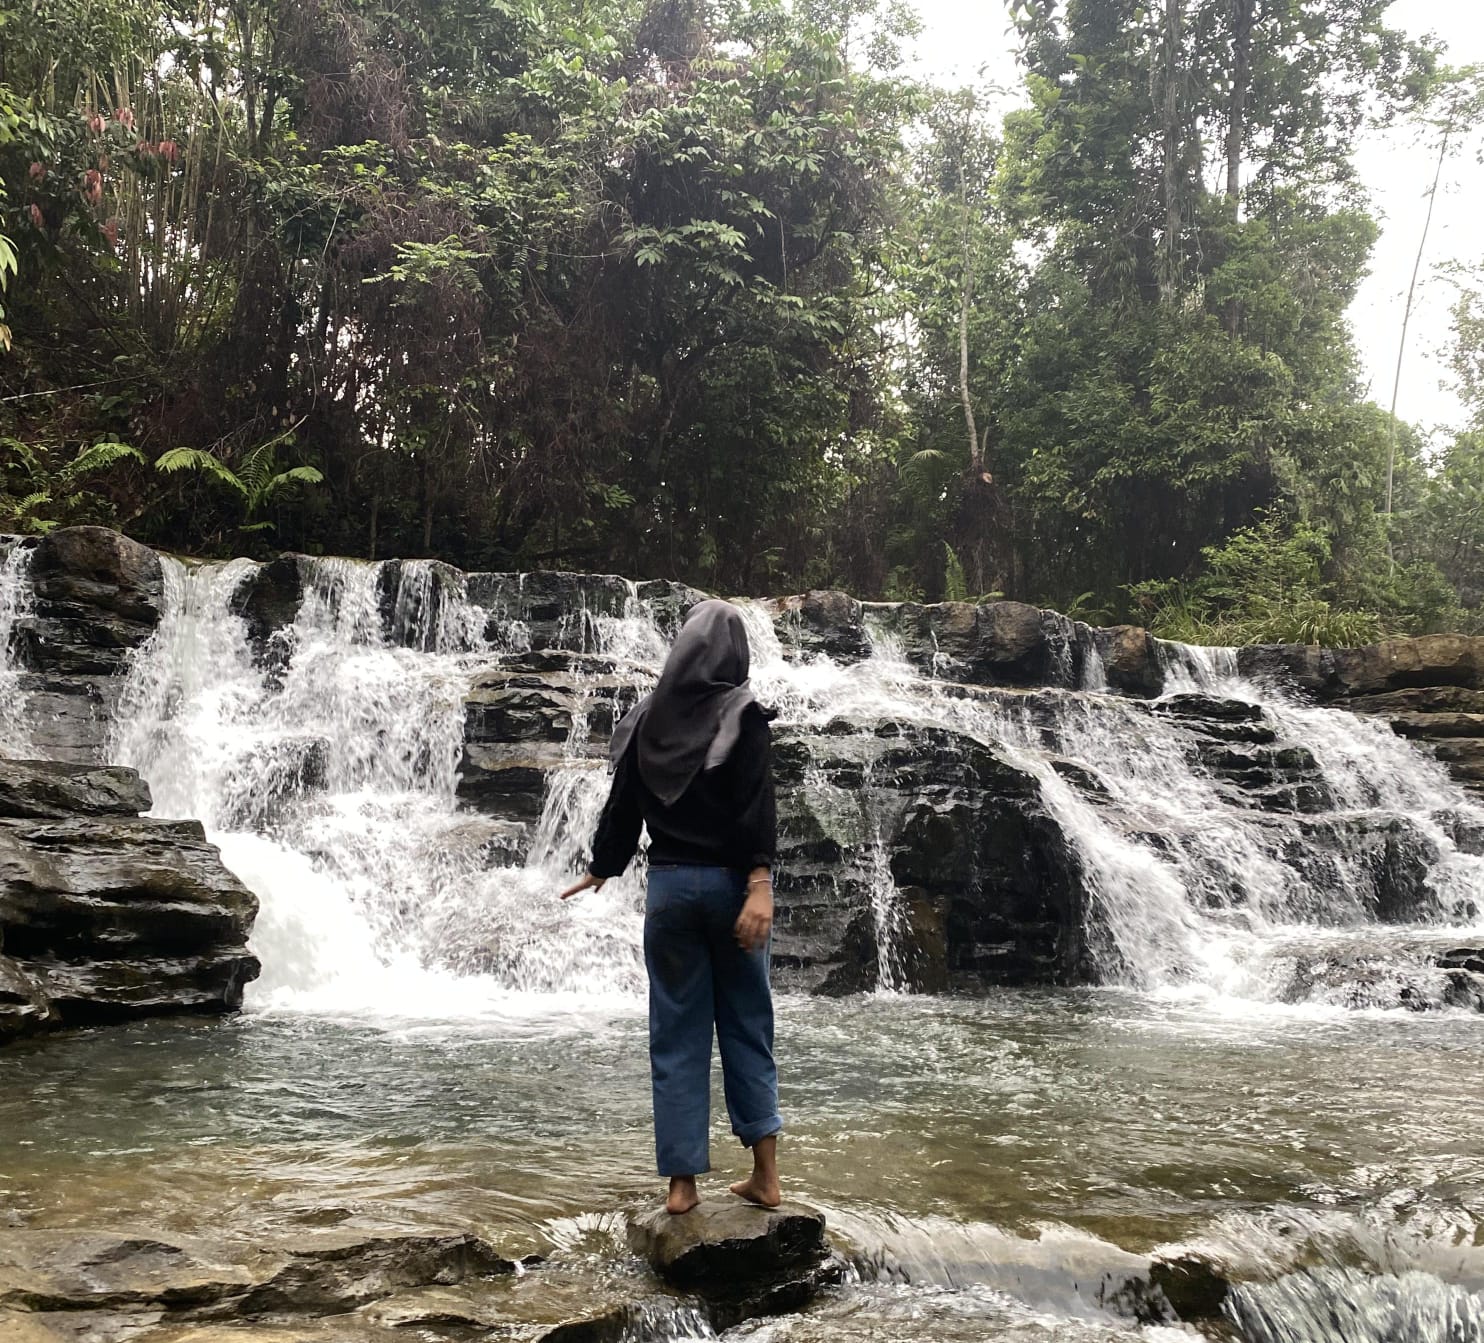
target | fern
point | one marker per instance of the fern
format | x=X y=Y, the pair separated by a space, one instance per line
x=101 y=455
x=256 y=481
x=193 y=459
x=295 y=475
x=256 y=471
x=22 y=453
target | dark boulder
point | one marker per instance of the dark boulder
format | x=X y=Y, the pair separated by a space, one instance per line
x=268 y=601
x=719 y=1247
x=265 y=779
x=1280 y=777
x=348 y=1272
x=919 y=854
x=1010 y=646
x=1380 y=862
x=1396 y=664
x=827 y=622
x=44 y=789
x=1427 y=662
x=1302 y=666
x=106 y=915
x=1420 y=702
x=1130 y=660
x=96 y=596
x=530 y=716
x=549 y=609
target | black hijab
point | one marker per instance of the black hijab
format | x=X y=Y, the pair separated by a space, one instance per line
x=693 y=718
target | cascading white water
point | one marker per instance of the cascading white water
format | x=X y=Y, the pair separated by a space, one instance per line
x=331 y=787
x=15 y=605
x=1197 y=893
x=331 y=794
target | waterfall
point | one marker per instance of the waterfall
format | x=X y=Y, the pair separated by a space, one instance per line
x=15 y=606
x=330 y=781
x=331 y=791
x=1196 y=892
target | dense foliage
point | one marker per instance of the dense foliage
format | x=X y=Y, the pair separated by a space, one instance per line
x=708 y=289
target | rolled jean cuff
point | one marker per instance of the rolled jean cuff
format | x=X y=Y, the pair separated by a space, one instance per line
x=751 y=1134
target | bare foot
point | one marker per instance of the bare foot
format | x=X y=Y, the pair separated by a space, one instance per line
x=755 y=1189
x=683 y=1195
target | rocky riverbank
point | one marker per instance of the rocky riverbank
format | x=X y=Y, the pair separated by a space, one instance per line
x=722 y=1263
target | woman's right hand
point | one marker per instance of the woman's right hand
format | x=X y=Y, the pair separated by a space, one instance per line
x=755 y=921
x=588 y=883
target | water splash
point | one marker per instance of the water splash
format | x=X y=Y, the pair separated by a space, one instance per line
x=1343 y=1305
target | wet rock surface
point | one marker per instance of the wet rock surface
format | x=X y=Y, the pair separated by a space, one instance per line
x=95 y=597
x=993 y=643
x=105 y=1285
x=268 y=600
x=43 y=789
x=108 y=1285
x=912 y=855
x=731 y=1248
x=105 y=914
x=980 y=885
x=518 y=727
x=1430 y=689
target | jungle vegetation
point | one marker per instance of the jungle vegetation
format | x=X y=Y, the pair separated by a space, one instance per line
x=714 y=290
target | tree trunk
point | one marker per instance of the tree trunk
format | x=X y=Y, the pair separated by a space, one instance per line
x=1401 y=347
x=1243 y=14
x=1170 y=118
x=966 y=294
x=249 y=81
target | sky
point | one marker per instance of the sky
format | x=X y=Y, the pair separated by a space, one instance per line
x=961 y=38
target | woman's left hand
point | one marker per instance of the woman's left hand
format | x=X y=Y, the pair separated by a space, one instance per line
x=588 y=883
x=755 y=921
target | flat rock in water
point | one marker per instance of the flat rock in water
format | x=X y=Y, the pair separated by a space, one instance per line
x=731 y=1245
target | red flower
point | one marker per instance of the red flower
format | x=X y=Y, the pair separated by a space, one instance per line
x=97 y=122
x=168 y=150
x=125 y=118
x=110 y=231
x=37 y=217
x=37 y=171
x=92 y=186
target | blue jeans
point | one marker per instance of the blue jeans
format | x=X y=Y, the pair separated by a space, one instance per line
x=700 y=979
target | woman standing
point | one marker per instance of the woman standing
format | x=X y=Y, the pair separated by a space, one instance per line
x=692 y=762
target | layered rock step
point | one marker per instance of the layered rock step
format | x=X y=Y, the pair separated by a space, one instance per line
x=919 y=856
x=1429 y=689
x=105 y=914
x=95 y=596
x=980 y=887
